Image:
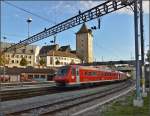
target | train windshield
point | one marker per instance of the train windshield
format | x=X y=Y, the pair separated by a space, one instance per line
x=62 y=71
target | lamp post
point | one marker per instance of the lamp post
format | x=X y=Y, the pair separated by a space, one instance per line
x=29 y=20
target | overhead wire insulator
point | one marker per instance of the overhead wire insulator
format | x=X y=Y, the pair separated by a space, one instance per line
x=99 y=23
x=106 y=8
x=115 y=5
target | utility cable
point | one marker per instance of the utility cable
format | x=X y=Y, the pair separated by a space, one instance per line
x=43 y=18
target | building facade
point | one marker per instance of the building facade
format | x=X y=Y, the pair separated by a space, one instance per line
x=30 y=53
x=26 y=74
x=84 y=44
x=56 y=57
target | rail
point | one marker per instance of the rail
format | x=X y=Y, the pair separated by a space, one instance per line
x=68 y=102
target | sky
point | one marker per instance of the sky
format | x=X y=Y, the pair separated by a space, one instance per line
x=113 y=41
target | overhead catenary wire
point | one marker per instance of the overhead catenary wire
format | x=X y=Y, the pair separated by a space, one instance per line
x=27 y=11
x=106 y=49
x=34 y=14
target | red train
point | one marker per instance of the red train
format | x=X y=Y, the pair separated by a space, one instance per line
x=77 y=75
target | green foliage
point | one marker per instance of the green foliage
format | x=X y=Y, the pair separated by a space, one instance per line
x=42 y=62
x=72 y=62
x=3 y=60
x=125 y=107
x=23 y=62
x=57 y=62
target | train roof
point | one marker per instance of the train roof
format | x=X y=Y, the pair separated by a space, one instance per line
x=99 y=68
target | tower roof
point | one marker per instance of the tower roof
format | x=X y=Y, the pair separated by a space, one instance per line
x=84 y=29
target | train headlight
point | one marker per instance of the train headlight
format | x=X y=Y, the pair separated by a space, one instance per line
x=72 y=77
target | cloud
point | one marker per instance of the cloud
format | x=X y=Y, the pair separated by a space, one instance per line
x=146 y=7
x=127 y=10
x=89 y=4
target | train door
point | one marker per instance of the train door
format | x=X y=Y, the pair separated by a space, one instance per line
x=77 y=75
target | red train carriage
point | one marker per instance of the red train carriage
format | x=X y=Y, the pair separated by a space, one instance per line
x=75 y=74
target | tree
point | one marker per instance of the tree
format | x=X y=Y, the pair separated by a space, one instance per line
x=23 y=62
x=148 y=56
x=57 y=62
x=42 y=62
x=72 y=62
x=3 y=60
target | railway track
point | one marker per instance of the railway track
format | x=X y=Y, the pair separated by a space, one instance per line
x=25 y=93
x=68 y=102
x=36 y=91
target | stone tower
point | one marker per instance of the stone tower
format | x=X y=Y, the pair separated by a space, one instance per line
x=84 y=44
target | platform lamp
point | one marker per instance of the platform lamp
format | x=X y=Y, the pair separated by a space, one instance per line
x=29 y=20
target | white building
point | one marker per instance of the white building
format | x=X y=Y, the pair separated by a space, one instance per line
x=56 y=57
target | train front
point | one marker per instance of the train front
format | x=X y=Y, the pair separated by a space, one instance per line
x=61 y=77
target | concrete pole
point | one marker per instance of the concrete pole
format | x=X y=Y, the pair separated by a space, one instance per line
x=138 y=101
x=144 y=94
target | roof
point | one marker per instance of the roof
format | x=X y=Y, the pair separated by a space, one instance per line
x=18 y=71
x=65 y=48
x=29 y=49
x=73 y=51
x=84 y=29
x=62 y=54
x=63 y=51
x=46 y=49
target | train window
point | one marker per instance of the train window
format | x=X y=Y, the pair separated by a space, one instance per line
x=86 y=73
x=89 y=73
x=62 y=71
x=93 y=73
x=73 y=72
